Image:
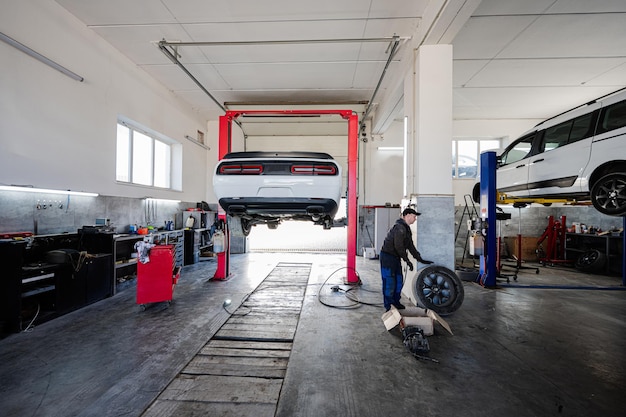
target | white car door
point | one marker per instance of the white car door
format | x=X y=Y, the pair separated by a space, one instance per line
x=512 y=173
x=564 y=152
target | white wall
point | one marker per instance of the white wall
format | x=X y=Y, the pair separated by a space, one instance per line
x=382 y=171
x=56 y=132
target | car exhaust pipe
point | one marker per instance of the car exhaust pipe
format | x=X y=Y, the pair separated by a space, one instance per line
x=234 y=210
x=315 y=211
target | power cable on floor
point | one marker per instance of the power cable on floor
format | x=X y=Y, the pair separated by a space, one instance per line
x=356 y=302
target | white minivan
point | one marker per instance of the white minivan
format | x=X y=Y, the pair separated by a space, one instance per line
x=578 y=155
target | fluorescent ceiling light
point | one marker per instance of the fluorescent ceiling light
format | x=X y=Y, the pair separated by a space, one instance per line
x=390 y=148
x=162 y=200
x=39 y=57
x=45 y=190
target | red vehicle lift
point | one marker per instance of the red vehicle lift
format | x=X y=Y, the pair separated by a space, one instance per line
x=224 y=147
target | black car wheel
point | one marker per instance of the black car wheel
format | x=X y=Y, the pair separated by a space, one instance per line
x=608 y=194
x=476 y=193
x=591 y=261
x=439 y=289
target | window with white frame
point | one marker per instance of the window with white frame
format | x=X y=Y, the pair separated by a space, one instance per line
x=466 y=155
x=144 y=157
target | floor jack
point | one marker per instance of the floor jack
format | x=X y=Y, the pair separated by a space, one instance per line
x=555 y=247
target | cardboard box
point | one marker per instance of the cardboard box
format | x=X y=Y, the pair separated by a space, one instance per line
x=424 y=323
x=414 y=316
x=528 y=248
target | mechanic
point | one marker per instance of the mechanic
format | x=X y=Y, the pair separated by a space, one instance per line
x=399 y=240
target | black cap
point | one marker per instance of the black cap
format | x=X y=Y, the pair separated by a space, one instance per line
x=409 y=210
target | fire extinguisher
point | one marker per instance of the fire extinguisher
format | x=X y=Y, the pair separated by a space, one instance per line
x=219 y=244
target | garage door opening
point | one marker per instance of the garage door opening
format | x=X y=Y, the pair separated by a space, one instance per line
x=300 y=236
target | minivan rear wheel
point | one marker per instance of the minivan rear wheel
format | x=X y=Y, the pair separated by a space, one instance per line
x=608 y=194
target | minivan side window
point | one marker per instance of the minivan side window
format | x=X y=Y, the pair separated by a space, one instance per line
x=612 y=117
x=520 y=150
x=568 y=132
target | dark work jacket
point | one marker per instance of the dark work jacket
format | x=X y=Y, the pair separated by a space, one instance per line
x=399 y=240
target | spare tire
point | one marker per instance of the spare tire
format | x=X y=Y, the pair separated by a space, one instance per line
x=591 y=261
x=439 y=289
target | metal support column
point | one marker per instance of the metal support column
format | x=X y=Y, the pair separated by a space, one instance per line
x=223 y=147
x=353 y=219
x=488 y=266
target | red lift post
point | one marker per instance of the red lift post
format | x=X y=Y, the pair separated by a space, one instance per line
x=224 y=147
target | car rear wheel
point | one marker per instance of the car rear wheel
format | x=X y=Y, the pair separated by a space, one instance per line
x=608 y=194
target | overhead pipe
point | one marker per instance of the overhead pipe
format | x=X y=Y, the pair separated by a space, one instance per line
x=392 y=53
x=163 y=47
x=284 y=42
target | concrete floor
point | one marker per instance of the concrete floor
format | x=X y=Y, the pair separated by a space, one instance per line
x=515 y=351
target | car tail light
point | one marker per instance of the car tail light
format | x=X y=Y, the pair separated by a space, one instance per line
x=240 y=169
x=313 y=169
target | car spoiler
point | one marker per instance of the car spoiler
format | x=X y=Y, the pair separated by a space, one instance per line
x=280 y=154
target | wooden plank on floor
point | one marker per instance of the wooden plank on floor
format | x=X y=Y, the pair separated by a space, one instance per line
x=247 y=334
x=264 y=319
x=237 y=366
x=243 y=353
x=230 y=344
x=223 y=389
x=270 y=328
x=239 y=372
x=166 y=408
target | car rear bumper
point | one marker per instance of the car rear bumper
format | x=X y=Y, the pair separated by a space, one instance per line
x=277 y=206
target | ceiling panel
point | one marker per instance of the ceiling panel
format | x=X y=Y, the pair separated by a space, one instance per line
x=541 y=72
x=512 y=59
x=614 y=77
x=485 y=37
x=500 y=7
x=139 y=43
x=591 y=35
x=175 y=79
x=288 y=75
x=521 y=103
x=118 y=12
x=586 y=6
x=276 y=31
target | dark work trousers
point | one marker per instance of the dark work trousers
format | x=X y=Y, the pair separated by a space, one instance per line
x=391 y=271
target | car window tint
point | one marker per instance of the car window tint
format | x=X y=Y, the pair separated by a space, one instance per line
x=582 y=128
x=518 y=151
x=613 y=117
x=556 y=136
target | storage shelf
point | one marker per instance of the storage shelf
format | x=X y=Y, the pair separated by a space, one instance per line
x=125 y=264
x=39 y=290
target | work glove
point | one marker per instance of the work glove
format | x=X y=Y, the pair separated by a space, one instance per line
x=410 y=265
x=425 y=262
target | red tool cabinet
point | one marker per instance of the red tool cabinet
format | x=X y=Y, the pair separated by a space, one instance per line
x=157 y=278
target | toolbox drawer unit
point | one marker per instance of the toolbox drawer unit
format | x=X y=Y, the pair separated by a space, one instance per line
x=157 y=278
